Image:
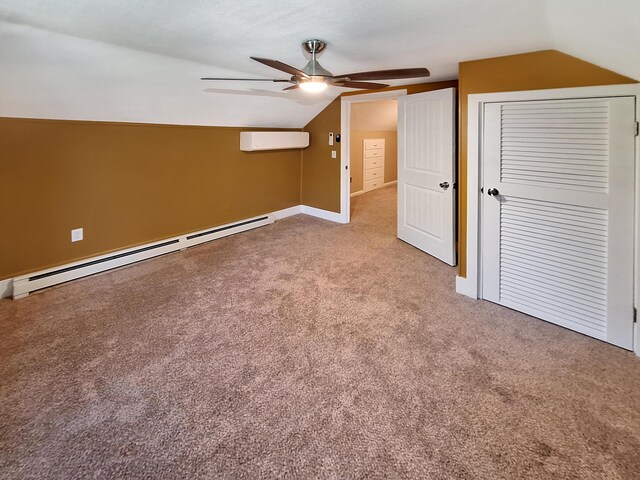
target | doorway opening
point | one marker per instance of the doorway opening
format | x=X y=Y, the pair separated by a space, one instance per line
x=424 y=167
x=373 y=148
x=347 y=104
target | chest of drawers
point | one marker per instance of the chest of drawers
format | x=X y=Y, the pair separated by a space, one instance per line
x=373 y=163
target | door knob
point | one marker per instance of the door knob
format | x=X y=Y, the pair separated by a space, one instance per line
x=493 y=192
x=444 y=185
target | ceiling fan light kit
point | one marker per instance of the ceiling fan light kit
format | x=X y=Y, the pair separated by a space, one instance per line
x=313 y=85
x=313 y=77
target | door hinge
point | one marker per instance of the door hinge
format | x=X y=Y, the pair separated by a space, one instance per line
x=635 y=314
x=637 y=128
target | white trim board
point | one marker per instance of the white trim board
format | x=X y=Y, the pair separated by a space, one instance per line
x=6 y=288
x=287 y=212
x=471 y=285
x=319 y=213
x=345 y=127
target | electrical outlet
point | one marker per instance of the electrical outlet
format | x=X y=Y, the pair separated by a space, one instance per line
x=334 y=154
x=77 y=234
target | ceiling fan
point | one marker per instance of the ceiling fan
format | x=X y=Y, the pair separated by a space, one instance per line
x=314 y=78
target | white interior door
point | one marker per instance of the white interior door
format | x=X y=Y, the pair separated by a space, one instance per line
x=557 y=212
x=426 y=193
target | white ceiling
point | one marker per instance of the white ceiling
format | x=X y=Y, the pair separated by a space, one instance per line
x=140 y=60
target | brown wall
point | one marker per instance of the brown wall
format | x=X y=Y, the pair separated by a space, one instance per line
x=390 y=154
x=528 y=71
x=321 y=173
x=126 y=184
x=320 y=183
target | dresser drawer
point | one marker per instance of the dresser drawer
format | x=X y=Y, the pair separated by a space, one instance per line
x=375 y=162
x=373 y=184
x=373 y=143
x=375 y=153
x=374 y=173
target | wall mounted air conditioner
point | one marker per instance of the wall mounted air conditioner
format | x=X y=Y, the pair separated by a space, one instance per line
x=254 y=141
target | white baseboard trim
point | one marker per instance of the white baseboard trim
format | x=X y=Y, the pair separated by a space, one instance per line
x=360 y=192
x=287 y=212
x=6 y=288
x=465 y=287
x=22 y=285
x=25 y=284
x=325 y=214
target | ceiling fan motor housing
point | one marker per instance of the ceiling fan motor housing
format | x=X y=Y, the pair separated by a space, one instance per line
x=313 y=67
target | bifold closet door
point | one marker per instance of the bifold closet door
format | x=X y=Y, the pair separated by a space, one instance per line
x=558 y=212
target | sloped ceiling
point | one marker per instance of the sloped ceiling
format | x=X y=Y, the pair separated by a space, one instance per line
x=606 y=33
x=140 y=60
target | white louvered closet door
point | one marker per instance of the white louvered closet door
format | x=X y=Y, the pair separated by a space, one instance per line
x=557 y=212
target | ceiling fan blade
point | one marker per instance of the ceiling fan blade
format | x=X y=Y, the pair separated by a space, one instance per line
x=283 y=67
x=386 y=74
x=292 y=87
x=365 y=85
x=246 y=79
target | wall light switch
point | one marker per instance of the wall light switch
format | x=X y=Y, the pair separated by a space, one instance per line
x=330 y=138
x=77 y=234
x=334 y=154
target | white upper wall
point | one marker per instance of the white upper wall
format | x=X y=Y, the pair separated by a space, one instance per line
x=141 y=60
x=606 y=33
x=49 y=75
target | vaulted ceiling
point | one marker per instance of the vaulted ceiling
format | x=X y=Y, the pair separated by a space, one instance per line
x=141 y=60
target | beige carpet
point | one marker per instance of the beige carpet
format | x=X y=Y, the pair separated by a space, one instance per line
x=305 y=349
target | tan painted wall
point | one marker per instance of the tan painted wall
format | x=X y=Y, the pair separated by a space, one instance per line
x=381 y=115
x=126 y=184
x=321 y=174
x=528 y=71
x=390 y=160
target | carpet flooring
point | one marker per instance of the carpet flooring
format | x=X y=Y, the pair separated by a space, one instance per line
x=305 y=349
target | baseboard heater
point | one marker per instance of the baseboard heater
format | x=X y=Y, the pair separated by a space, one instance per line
x=26 y=284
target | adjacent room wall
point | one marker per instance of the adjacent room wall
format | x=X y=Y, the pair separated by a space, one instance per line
x=356 y=156
x=126 y=184
x=321 y=173
x=529 y=71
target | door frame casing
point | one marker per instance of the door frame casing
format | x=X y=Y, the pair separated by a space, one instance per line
x=345 y=141
x=471 y=284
